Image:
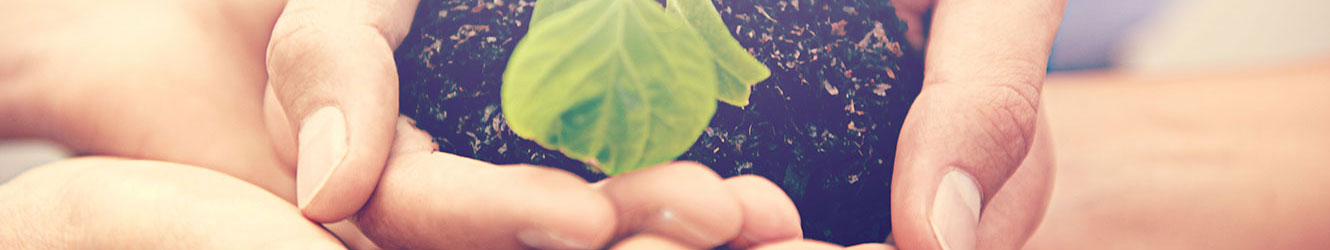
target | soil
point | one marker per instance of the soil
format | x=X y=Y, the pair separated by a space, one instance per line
x=823 y=126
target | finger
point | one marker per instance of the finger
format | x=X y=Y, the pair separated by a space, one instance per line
x=973 y=123
x=279 y=128
x=438 y=200
x=915 y=14
x=682 y=201
x=871 y=246
x=331 y=68
x=23 y=117
x=799 y=244
x=1016 y=210
x=111 y=203
x=350 y=235
x=768 y=214
x=649 y=241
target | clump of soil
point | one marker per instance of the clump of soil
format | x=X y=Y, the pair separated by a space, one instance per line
x=823 y=126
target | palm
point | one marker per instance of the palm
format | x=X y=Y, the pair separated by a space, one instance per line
x=162 y=81
x=187 y=82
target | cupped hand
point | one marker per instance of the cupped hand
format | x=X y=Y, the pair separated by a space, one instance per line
x=207 y=85
x=971 y=171
x=429 y=199
x=118 y=203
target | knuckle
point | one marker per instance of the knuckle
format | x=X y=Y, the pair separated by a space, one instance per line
x=1009 y=123
x=692 y=168
x=1001 y=121
x=997 y=120
x=309 y=59
x=1014 y=105
x=299 y=41
x=548 y=178
x=1005 y=98
x=752 y=181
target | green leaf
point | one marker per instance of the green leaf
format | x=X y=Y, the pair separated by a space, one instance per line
x=617 y=83
x=737 y=71
x=545 y=8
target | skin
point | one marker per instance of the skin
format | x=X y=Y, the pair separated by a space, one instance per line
x=120 y=203
x=177 y=95
x=218 y=91
x=985 y=69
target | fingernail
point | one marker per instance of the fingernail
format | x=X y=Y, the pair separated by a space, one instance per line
x=545 y=240
x=321 y=149
x=955 y=215
x=667 y=222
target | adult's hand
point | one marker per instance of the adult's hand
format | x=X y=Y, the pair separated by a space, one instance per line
x=965 y=175
x=331 y=100
x=116 y=203
x=429 y=199
x=163 y=75
x=186 y=82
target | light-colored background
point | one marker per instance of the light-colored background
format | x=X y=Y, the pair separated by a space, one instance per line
x=19 y=155
x=1212 y=131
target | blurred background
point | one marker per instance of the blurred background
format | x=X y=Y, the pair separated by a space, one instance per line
x=1177 y=124
x=1158 y=36
x=1190 y=124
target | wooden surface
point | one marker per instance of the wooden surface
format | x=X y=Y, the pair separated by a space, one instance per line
x=1224 y=159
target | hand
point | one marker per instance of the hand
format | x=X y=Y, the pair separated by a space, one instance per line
x=166 y=84
x=429 y=199
x=164 y=75
x=970 y=170
x=116 y=203
x=172 y=205
x=331 y=98
x=90 y=201
x=165 y=81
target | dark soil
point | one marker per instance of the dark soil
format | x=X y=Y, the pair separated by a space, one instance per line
x=823 y=126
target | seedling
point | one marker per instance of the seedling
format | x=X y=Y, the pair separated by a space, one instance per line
x=624 y=84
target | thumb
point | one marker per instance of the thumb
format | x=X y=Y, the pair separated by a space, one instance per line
x=331 y=69
x=971 y=128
